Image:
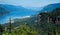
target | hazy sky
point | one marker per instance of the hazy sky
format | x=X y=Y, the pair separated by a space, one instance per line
x=29 y=3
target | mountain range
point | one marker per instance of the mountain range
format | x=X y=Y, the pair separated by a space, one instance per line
x=17 y=11
x=50 y=7
x=14 y=11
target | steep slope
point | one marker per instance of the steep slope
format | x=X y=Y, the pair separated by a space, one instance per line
x=50 y=7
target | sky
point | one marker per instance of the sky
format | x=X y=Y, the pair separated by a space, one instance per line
x=29 y=3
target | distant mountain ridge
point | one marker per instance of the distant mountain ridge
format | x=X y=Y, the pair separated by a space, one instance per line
x=35 y=8
x=50 y=7
x=15 y=11
x=19 y=10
